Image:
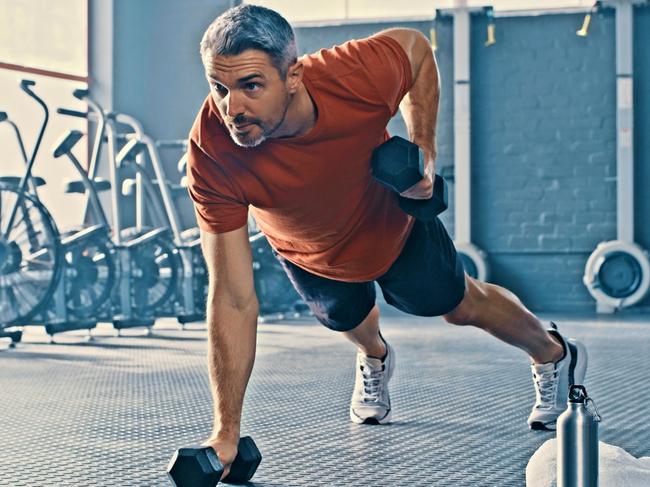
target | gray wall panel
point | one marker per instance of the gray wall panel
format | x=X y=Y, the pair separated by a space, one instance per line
x=158 y=72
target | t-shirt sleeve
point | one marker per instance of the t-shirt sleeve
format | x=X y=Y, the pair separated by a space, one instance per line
x=388 y=66
x=218 y=205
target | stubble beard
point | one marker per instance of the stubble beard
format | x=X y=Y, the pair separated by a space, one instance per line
x=265 y=134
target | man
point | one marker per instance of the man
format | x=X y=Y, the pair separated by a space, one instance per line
x=292 y=139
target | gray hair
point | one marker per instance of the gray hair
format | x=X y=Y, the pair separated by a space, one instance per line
x=252 y=27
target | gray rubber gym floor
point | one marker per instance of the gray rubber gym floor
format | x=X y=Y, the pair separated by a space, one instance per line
x=112 y=411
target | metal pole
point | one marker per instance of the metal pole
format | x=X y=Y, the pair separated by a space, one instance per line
x=462 y=150
x=624 y=121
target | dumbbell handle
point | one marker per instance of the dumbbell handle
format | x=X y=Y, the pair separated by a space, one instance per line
x=394 y=166
x=429 y=208
x=240 y=471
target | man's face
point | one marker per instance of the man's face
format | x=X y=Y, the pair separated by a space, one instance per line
x=251 y=96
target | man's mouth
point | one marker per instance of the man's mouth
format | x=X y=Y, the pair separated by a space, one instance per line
x=242 y=127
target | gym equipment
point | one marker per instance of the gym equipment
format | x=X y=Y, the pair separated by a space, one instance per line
x=594 y=9
x=89 y=268
x=182 y=169
x=30 y=252
x=88 y=271
x=30 y=256
x=491 y=28
x=190 y=305
x=617 y=273
x=398 y=164
x=200 y=467
x=147 y=266
x=275 y=293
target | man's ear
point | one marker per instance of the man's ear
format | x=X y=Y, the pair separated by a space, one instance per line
x=294 y=76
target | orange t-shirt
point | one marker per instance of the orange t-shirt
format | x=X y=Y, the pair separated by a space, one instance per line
x=313 y=195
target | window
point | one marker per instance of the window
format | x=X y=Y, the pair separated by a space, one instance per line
x=45 y=34
x=45 y=41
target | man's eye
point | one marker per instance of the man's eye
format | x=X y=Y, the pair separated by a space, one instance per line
x=220 y=89
x=252 y=86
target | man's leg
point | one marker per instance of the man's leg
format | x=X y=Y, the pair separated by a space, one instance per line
x=349 y=307
x=557 y=362
x=428 y=279
x=500 y=313
x=366 y=336
x=487 y=306
x=374 y=368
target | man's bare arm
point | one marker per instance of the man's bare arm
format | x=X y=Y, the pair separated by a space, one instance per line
x=419 y=107
x=232 y=312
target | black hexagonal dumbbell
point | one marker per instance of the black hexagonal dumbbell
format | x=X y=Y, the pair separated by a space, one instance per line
x=200 y=466
x=398 y=164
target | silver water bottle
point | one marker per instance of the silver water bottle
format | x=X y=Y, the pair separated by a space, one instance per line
x=577 y=441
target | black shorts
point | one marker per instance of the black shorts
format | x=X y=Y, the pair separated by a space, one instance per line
x=427 y=279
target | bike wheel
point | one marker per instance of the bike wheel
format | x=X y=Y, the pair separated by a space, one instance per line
x=90 y=273
x=275 y=293
x=30 y=256
x=155 y=276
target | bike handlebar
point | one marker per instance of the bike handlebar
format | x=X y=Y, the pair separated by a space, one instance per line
x=72 y=113
x=80 y=93
x=26 y=84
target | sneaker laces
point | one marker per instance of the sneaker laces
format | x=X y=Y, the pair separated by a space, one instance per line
x=546 y=385
x=372 y=382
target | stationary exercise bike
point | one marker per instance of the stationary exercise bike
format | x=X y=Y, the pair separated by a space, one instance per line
x=88 y=268
x=157 y=195
x=30 y=247
x=147 y=267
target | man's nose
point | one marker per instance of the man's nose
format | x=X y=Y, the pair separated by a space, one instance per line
x=234 y=106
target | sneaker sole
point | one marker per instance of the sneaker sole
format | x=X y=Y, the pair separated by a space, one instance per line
x=384 y=420
x=577 y=374
x=539 y=426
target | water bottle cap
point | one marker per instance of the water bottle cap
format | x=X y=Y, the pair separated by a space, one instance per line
x=577 y=394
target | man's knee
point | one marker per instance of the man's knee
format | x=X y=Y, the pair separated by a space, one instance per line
x=469 y=309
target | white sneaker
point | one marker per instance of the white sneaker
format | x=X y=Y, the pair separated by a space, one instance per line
x=552 y=381
x=370 y=400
